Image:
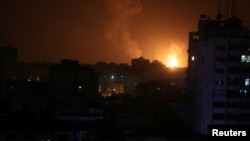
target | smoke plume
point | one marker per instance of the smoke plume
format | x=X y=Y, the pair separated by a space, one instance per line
x=177 y=49
x=117 y=28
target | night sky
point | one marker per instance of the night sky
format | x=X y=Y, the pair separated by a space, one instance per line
x=105 y=30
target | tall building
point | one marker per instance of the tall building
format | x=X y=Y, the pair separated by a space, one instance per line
x=219 y=72
x=8 y=62
x=69 y=78
x=140 y=67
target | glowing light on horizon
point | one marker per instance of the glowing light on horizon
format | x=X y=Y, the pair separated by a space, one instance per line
x=172 y=62
x=171 y=53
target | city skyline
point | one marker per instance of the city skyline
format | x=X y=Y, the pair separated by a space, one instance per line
x=105 y=30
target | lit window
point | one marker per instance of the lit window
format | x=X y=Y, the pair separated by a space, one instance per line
x=193 y=58
x=247 y=82
x=245 y=58
x=79 y=87
x=196 y=37
x=112 y=77
x=243 y=91
x=219 y=83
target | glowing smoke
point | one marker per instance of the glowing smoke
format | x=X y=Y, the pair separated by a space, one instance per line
x=121 y=13
x=177 y=51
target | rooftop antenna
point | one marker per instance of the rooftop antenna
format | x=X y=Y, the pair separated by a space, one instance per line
x=3 y=17
x=233 y=14
x=219 y=6
x=219 y=15
x=227 y=8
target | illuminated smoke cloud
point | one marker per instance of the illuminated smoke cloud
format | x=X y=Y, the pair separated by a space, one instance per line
x=177 y=50
x=121 y=13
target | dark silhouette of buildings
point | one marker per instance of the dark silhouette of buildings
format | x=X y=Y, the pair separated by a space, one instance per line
x=73 y=85
x=140 y=67
x=71 y=78
x=65 y=108
x=8 y=62
x=35 y=71
x=68 y=95
x=123 y=78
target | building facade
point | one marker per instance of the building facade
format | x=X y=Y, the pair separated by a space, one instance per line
x=69 y=79
x=8 y=62
x=218 y=74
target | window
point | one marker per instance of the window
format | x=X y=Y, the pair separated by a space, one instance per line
x=235 y=47
x=245 y=47
x=218 y=116
x=234 y=58
x=245 y=58
x=232 y=105
x=245 y=117
x=233 y=117
x=232 y=93
x=219 y=70
x=220 y=34
x=243 y=91
x=220 y=48
x=245 y=70
x=219 y=83
x=234 y=70
x=196 y=37
x=247 y=82
x=193 y=58
x=245 y=105
x=220 y=59
x=219 y=104
x=234 y=81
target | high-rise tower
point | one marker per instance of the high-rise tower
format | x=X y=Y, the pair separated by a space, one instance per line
x=219 y=73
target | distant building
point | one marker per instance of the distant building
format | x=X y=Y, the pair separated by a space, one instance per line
x=25 y=127
x=69 y=78
x=114 y=78
x=35 y=71
x=111 y=88
x=8 y=62
x=218 y=73
x=140 y=61
x=140 y=67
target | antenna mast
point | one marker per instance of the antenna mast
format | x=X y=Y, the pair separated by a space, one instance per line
x=227 y=8
x=233 y=8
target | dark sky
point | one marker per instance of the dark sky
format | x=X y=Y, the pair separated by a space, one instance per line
x=105 y=30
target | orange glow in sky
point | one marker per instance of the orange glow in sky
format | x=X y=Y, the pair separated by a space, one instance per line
x=171 y=54
x=172 y=62
x=110 y=30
